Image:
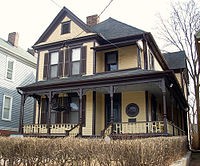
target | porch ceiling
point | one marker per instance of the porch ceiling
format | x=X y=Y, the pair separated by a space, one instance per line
x=151 y=87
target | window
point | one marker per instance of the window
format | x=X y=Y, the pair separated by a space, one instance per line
x=64 y=63
x=10 y=69
x=151 y=61
x=76 y=61
x=54 y=64
x=65 y=27
x=111 y=61
x=7 y=107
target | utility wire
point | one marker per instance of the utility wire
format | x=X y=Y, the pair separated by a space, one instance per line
x=98 y=17
x=56 y=3
x=105 y=8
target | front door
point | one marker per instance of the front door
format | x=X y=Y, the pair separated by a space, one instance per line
x=116 y=108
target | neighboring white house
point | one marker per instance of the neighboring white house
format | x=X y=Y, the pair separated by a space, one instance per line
x=17 y=68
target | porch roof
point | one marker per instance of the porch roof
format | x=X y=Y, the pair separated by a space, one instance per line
x=71 y=81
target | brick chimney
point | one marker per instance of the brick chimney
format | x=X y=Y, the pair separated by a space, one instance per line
x=13 y=38
x=92 y=20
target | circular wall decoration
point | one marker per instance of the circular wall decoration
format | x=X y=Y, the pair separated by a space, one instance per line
x=132 y=109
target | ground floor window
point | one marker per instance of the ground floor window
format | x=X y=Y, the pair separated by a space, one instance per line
x=7 y=107
x=65 y=109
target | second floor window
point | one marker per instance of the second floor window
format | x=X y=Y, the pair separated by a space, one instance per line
x=76 y=61
x=111 y=61
x=10 y=69
x=54 y=64
x=65 y=63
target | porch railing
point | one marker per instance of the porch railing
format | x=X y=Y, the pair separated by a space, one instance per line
x=73 y=132
x=43 y=128
x=146 y=127
x=107 y=131
x=174 y=130
x=138 y=127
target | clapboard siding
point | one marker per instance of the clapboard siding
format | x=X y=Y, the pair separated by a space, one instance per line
x=23 y=74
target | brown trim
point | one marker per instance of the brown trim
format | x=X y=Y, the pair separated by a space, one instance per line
x=63 y=43
x=114 y=45
x=94 y=114
x=139 y=57
x=94 y=59
x=147 y=105
x=145 y=54
x=37 y=67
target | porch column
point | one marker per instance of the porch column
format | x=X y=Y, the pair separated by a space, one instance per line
x=21 y=118
x=172 y=111
x=111 y=104
x=94 y=114
x=80 y=110
x=49 y=112
x=164 y=106
x=39 y=105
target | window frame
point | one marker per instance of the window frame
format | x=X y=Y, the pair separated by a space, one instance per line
x=10 y=108
x=106 y=60
x=56 y=64
x=13 y=71
x=66 y=23
x=76 y=61
x=151 y=61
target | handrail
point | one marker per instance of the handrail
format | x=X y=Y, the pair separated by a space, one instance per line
x=107 y=131
x=71 y=132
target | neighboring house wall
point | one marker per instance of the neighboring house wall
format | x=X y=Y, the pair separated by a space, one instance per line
x=23 y=74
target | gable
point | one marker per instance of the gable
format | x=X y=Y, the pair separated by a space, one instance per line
x=75 y=31
x=53 y=33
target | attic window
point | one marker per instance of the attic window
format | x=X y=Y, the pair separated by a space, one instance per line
x=65 y=27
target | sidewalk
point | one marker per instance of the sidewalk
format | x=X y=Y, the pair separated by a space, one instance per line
x=195 y=159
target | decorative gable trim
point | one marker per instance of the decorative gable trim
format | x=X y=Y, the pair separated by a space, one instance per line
x=57 y=20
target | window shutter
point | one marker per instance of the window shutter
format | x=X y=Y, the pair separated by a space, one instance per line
x=84 y=110
x=58 y=117
x=83 y=59
x=67 y=62
x=61 y=63
x=46 y=66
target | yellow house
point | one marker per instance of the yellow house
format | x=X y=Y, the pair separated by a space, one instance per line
x=107 y=78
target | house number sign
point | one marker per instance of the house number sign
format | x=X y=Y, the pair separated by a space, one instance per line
x=132 y=109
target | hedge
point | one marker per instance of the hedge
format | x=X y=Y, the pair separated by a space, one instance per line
x=91 y=152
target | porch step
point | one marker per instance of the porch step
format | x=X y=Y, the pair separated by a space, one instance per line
x=136 y=136
x=45 y=135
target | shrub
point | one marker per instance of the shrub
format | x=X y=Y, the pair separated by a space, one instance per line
x=88 y=152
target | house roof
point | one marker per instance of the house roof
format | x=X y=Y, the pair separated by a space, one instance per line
x=17 y=52
x=112 y=29
x=176 y=60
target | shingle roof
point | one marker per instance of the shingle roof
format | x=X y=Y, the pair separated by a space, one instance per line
x=176 y=60
x=17 y=51
x=112 y=29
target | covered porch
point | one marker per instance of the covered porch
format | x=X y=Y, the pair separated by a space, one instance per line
x=129 y=104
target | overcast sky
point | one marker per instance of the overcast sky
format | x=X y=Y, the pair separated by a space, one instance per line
x=31 y=17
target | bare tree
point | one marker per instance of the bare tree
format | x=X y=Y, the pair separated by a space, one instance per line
x=179 y=31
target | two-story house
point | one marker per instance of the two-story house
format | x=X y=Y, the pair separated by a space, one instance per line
x=18 y=68
x=106 y=78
